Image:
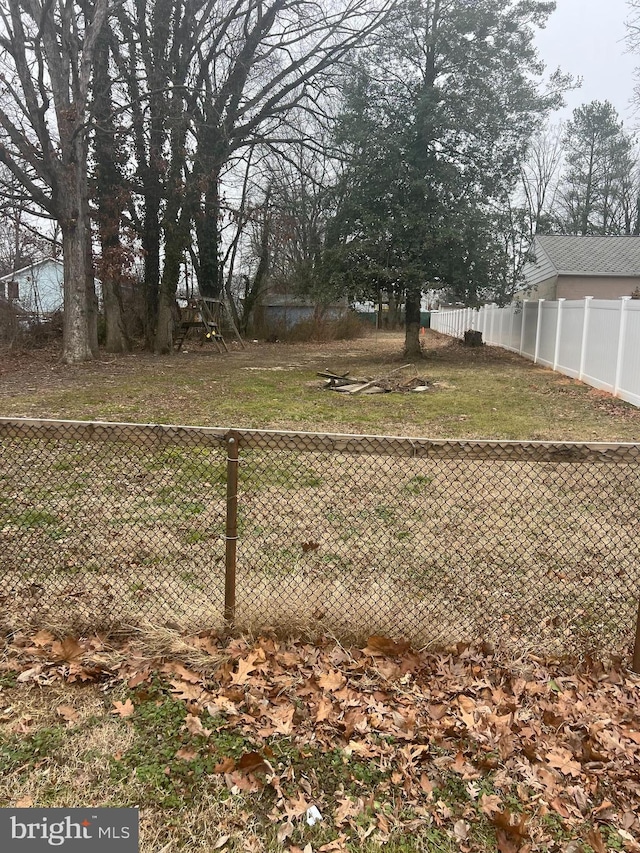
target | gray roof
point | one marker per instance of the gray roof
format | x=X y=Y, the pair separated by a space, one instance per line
x=569 y=255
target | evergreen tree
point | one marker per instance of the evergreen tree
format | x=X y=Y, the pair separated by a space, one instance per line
x=436 y=123
x=599 y=160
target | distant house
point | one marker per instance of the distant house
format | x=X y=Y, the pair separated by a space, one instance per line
x=36 y=289
x=568 y=267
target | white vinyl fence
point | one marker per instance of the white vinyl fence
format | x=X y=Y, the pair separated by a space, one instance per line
x=594 y=340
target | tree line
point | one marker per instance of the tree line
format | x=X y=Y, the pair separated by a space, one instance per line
x=352 y=148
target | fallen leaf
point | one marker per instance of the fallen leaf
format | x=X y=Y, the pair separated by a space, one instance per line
x=332 y=680
x=595 y=840
x=253 y=762
x=123 y=709
x=221 y=842
x=42 y=638
x=385 y=646
x=490 y=804
x=194 y=726
x=563 y=761
x=68 y=650
x=285 y=830
x=68 y=713
x=227 y=765
x=461 y=830
x=187 y=754
x=24 y=803
x=245 y=668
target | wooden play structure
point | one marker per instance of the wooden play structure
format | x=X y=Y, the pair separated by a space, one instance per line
x=202 y=317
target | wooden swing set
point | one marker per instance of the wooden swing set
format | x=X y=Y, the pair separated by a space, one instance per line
x=203 y=317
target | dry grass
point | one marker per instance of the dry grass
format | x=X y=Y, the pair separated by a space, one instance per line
x=108 y=536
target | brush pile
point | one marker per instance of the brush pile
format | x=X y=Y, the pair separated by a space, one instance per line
x=347 y=384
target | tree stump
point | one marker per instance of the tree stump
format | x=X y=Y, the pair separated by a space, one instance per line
x=472 y=338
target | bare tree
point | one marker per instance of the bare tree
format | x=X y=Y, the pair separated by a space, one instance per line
x=46 y=55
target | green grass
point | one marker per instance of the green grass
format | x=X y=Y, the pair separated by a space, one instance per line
x=485 y=393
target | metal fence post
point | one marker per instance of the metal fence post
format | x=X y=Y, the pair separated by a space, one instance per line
x=635 y=666
x=231 y=535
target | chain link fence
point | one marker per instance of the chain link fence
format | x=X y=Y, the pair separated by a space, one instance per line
x=531 y=545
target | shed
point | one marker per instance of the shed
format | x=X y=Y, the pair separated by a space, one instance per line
x=569 y=267
x=282 y=311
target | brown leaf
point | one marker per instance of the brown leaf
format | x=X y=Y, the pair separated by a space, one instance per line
x=595 y=840
x=325 y=709
x=188 y=692
x=227 y=765
x=68 y=713
x=505 y=844
x=514 y=825
x=123 y=709
x=332 y=680
x=42 y=638
x=385 y=646
x=24 y=803
x=253 y=762
x=68 y=650
x=245 y=668
x=182 y=672
x=490 y=804
x=187 y=754
x=194 y=726
x=563 y=761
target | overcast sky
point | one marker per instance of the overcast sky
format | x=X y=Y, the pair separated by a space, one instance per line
x=586 y=39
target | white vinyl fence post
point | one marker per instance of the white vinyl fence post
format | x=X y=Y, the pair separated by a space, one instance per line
x=493 y=323
x=524 y=305
x=585 y=332
x=622 y=335
x=556 y=348
x=538 y=328
x=511 y=313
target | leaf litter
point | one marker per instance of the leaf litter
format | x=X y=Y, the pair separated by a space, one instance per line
x=463 y=740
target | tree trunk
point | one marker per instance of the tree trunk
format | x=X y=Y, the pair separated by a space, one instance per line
x=412 y=323
x=79 y=335
x=174 y=251
x=76 y=336
x=209 y=278
x=117 y=337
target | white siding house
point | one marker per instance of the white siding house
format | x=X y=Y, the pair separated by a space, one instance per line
x=37 y=289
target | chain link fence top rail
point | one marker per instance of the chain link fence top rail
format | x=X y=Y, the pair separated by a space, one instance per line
x=533 y=545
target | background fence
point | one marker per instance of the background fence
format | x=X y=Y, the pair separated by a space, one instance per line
x=594 y=340
x=531 y=545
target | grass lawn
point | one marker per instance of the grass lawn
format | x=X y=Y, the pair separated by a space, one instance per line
x=484 y=393
x=225 y=745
